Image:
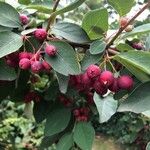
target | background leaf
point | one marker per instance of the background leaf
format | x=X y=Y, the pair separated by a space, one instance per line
x=7 y=40
x=66 y=142
x=71 y=32
x=56 y=121
x=84 y=135
x=106 y=107
x=96 y=18
x=122 y=6
x=9 y=17
x=66 y=61
x=138 y=101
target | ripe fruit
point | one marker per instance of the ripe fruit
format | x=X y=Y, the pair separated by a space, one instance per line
x=85 y=80
x=129 y=28
x=40 y=34
x=24 y=19
x=24 y=55
x=106 y=78
x=138 y=46
x=24 y=63
x=93 y=71
x=123 y=21
x=46 y=66
x=125 y=82
x=36 y=66
x=99 y=88
x=50 y=50
x=114 y=87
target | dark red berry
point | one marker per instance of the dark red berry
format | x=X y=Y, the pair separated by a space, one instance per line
x=50 y=50
x=138 y=46
x=93 y=71
x=99 y=88
x=125 y=82
x=46 y=66
x=24 y=55
x=106 y=78
x=24 y=63
x=114 y=87
x=76 y=112
x=31 y=96
x=24 y=19
x=40 y=34
x=36 y=66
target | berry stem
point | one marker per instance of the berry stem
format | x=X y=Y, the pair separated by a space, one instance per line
x=129 y=22
x=52 y=16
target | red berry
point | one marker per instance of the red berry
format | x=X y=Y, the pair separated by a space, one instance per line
x=24 y=19
x=138 y=46
x=24 y=55
x=106 y=78
x=85 y=80
x=31 y=96
x=125 y=82
x=36 y=66
x=24 y=63
x=123 y=21
x=11 y=63
x=76 y=112
x=93 y=71
x=114 y=87
x=46 y=66
x=40 y=34
x=99 y=88
x=90 y=98
x=51 y=50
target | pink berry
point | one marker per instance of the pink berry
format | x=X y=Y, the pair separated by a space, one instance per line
x=93 y=71
x=99 y=88
x=24 y=55
x=138 y=46
x=40 y=34
x=46 y=66
x=24 y=63
x=106 y=78
x=76 y=112
x=85 y=80
x=51 y=50
x=114 y=87
x=125 y=82
x=36 y=66
x=24 y=19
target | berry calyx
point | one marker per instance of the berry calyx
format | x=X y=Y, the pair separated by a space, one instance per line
x=40 y=34
x=24 y=63
x=51 y=50
x=106 y=78
x=36 y=66
x=24 y=19
x=93 y=71
x=125 y=82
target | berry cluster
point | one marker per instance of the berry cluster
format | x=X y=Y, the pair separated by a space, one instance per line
x=96 y=80
x=81 y=114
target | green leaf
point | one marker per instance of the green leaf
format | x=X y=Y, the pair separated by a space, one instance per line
x=7 y=73
x=90 y=59
x=84 y=135
x=66 y=142
x=40 y=110
x=9 y=17
x=71 y=32
x=124 y=47
x=146 y=113
x=106 y=107
x=148 y=146
x=97 y=47
x=95 y=19
x=24 y=2
x=25 y=32
x=143 y=29
x=63 y=82
x=147 y=44
x=9 y=43
x=66 y=61
x=122 y=6
x=56 y=121
x=138 y=101
x=137 y=62
x=70 y=7
x=2 y=28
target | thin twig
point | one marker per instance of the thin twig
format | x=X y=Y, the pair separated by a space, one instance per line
x=51 y=17
x=129 y=22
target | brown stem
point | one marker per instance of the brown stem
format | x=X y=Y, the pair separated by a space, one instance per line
x=129 y=22
x=52 y=17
